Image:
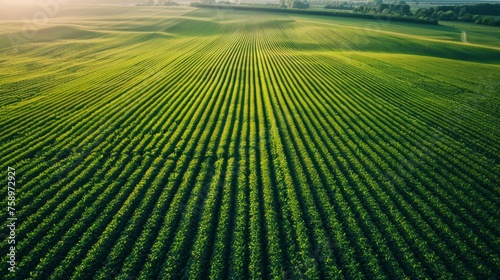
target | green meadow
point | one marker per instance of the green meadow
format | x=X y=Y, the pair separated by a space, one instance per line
x=185 y=143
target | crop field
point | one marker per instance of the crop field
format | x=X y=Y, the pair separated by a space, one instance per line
x=177 y=143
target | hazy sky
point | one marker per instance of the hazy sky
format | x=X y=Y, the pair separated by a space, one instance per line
x=44 y=1
x=20 y=1
x=34 y=2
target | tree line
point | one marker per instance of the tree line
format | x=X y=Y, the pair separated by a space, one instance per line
x=398 y=9
x=318 y=12
x=158 y=3
x=477 y=13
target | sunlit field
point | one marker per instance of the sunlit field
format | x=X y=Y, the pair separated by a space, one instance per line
x=202 y=143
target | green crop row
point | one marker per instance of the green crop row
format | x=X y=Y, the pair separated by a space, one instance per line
x=223 y=144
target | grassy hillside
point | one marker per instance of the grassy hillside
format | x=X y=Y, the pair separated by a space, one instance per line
x=182 y=142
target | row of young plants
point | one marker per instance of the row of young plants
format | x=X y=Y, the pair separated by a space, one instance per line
x=312 y=161
x=68 y=202
x=361 y=238
x=121 y=252
x=200 y=253
x=241 y=157
x=379 y=118
x=299 y=115
x=121 y=181
x=458 y=162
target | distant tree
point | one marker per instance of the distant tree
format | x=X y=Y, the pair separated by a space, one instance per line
x=382 y=7
x=488 y=21
x=170 y=3
x=421 y=12
x=451 y=15
x=484 y=9
x=462 y=11
x=339 y=6
x=405 y=9
x=299 y=4
x=467 y=18
x=445 y=13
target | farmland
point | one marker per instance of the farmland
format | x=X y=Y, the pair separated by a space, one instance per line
x=193 y=143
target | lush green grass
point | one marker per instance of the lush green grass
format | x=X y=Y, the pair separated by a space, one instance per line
x=180 y=142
